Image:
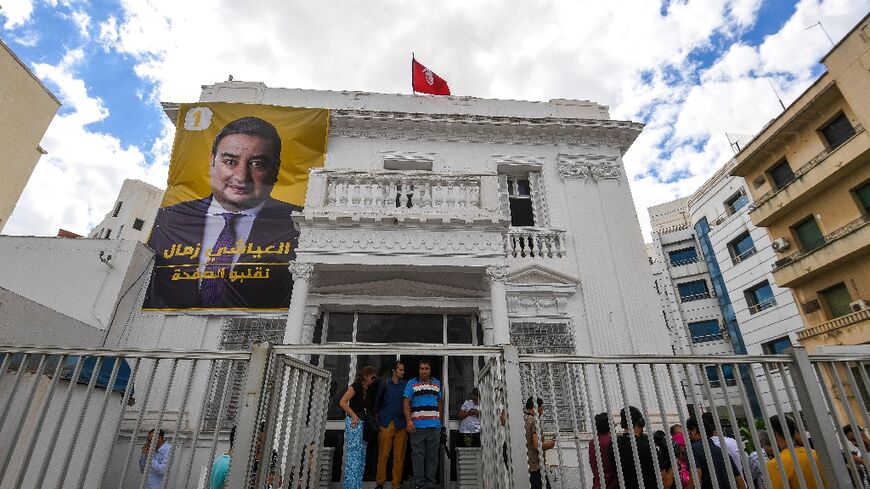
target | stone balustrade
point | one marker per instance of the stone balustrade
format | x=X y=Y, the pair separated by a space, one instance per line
x=403 y=194
x=535 y=243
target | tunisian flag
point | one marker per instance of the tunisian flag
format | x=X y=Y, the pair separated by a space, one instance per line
x=423 y=80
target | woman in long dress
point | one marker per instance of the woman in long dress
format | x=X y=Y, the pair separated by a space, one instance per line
x=353 y=403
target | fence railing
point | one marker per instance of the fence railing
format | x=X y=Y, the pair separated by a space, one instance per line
x=79 y=418
x=82 y=417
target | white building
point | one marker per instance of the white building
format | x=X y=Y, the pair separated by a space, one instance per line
x=537 y=245
x=133 y=213
x=713 y=275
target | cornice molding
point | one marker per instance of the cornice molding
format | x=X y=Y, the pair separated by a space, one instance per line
x=484 y=129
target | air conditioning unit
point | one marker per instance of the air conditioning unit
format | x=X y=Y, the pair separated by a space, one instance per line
x=859 y=305
x=780 y=245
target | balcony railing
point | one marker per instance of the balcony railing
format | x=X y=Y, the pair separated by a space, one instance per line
x=742 y=256
x=826 y=240
x=835 y=324
x=814 y=162
x=535 y=243
x=684 y=261
x=387 y=193
x=695 y=297
x=767 y=304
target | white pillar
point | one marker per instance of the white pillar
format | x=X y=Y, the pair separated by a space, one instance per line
x=498 y=296
x=312 y=314
x=485 y=318
x=302 y=274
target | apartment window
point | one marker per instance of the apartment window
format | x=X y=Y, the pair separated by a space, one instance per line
x=713 y=375
x=683 y=256
x=137 y=224
x=736 y=202
x=781 y=174
x=837 y=298
x=117 y=209
x=808 y=234
x=108 y=234
x=520 y=199
x=777 y=346
x=838 y=131
x=741 y=248
x=704 y=331
x=693 y=291
x=759 y=297
x=863 y=195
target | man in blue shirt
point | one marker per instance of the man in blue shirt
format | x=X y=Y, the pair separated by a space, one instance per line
x=159 y=460
x=422 y=406
x=388 y=411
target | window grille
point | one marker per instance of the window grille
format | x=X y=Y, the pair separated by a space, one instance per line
x=237 y=333
x=550 y=338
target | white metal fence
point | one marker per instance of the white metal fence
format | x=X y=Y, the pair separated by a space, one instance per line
x=80 y=418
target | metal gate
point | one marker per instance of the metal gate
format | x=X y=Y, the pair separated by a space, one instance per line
x=80 y=417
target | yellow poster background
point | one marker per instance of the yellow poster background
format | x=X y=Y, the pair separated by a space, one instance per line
x=303 y=135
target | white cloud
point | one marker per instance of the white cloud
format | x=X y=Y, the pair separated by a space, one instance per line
x=624 y=54
x=16 y=12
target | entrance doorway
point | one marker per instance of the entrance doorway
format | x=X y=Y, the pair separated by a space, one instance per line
x=457 y=374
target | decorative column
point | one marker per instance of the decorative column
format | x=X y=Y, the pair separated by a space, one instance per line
x=485 y=318
x=302 y=275
x=312 y=313
x=496 y=275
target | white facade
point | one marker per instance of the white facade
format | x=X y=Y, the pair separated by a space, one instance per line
x=761 y=322
x=132 y=214
x=672 y=266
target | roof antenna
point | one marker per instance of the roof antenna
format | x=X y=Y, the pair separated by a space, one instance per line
x=819 y=24
x=776 y=93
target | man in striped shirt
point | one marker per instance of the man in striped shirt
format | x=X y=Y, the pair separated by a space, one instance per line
x=422 y=405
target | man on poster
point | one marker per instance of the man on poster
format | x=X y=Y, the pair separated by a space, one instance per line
x=231 y=248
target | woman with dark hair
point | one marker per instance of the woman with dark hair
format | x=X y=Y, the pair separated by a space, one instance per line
x=353 y=403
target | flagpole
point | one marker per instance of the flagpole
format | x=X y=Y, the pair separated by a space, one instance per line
x=412 y=74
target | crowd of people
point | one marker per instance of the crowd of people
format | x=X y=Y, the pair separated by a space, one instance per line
x=393 y=411
x=714 y=466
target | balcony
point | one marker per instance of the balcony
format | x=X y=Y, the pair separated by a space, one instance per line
x=756 y=308
x=742 y=256
x=835 y=326
x=812 y=178
x=396 y=217
x=846 y=242
x=387 y=195
x=535 y=243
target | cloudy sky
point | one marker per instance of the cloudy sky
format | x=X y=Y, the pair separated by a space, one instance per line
x=690 y=70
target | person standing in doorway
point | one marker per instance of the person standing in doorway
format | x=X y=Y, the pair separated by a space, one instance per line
x=353 y=403
x=469 y=425
x=392 y=432
x=423 y=408
x=159 y=460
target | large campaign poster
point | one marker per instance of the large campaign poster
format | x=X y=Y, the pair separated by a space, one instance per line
x=224 y=234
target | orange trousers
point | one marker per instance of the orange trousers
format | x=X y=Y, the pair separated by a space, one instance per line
x=397 y=439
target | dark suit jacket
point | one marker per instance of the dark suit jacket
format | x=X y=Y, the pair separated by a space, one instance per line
x=184 y=224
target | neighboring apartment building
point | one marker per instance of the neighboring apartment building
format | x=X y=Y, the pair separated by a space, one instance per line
x=713 y=274
x=808 y=172
x=132 y=214
x=26 y=109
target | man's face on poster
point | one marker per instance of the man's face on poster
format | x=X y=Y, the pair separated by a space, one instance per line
x=243 y=171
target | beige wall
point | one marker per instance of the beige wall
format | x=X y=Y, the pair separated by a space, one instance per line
x=26 y=109
x=845 y=87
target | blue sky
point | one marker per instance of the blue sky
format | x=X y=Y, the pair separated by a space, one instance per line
x=688 y=69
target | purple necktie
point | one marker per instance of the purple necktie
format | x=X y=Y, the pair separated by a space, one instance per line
x=212 y=290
